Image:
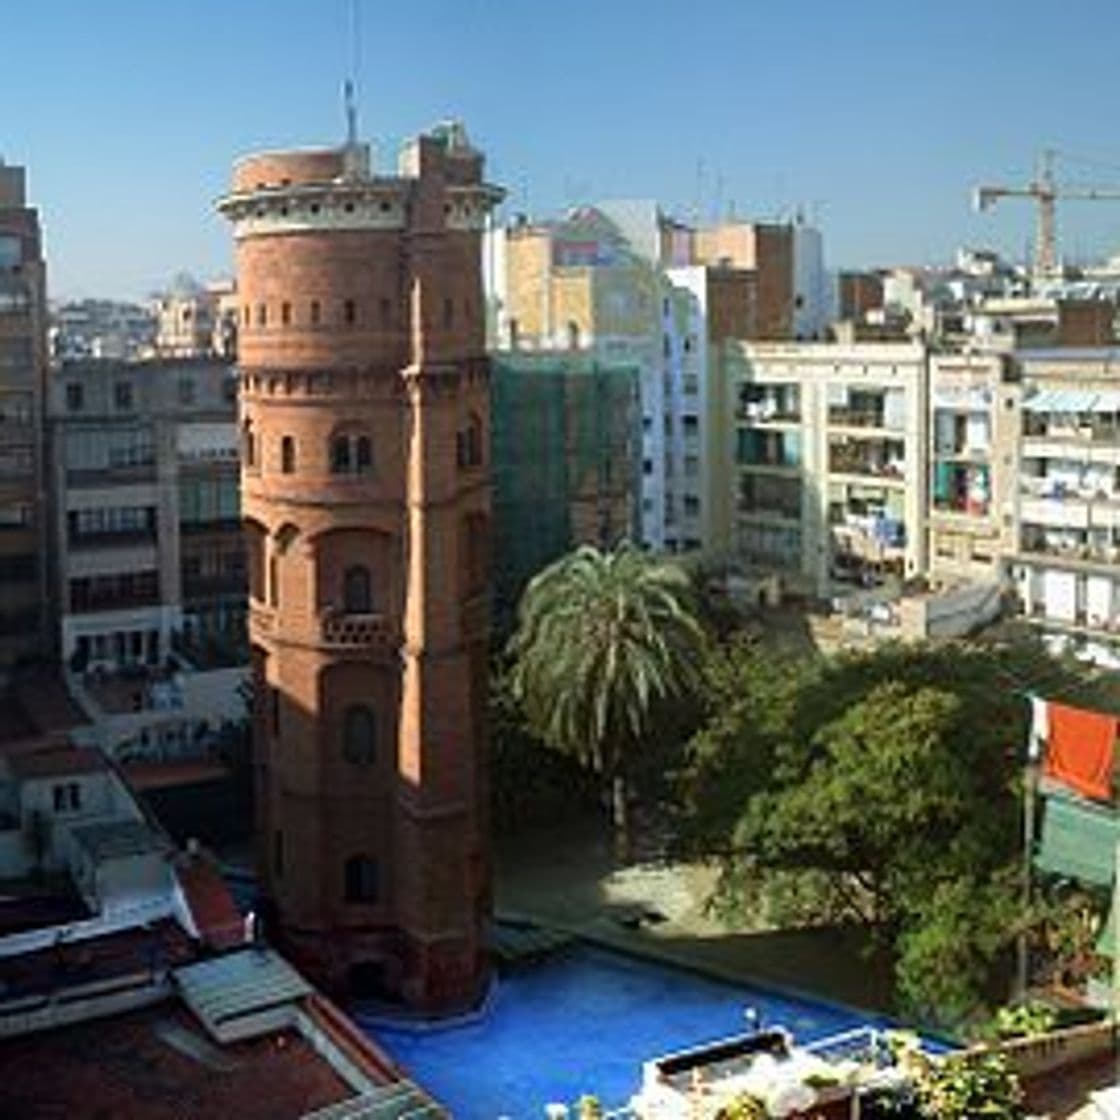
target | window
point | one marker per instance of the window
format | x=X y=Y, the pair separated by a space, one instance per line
x=356 y=597
x=122 y=394
x=274 y=581
x=573 y=335
x=359 y=735
x=67 y=798
x=286 y=313
x=315 y=313
x=349 y=313
x=246 y=314
x=340 y=455
x=287 y=455
x=249 y=444
x=386 y=312
x=75 y=396
x=186 y=390
x=262 y=315
x=468 y=445
x=361 y=879
x=448 y=313
x=363 y=455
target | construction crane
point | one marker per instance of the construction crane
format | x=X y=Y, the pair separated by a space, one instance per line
x=1044 y=190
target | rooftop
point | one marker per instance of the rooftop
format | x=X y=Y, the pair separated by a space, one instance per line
x=157 y=1064
x=118 y=839
x=39 y=759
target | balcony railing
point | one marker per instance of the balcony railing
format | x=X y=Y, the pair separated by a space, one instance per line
x=1070 y=550
x=337 y=628
x=124 y=539
x=198 y=587
x=789 y=510
x=856 y=418
x=846 y=461
x=1085 y=433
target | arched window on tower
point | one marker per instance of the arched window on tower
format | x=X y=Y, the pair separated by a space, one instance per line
x=356 y=595
x=468 y=442
x=359 y=735
x=248 y=444
x=340 y=455
x=363 y=455
x=287 y=455
x=349 y=312
x=361 y=879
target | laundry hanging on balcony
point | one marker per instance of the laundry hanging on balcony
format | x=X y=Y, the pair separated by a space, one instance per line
x=1080 y=746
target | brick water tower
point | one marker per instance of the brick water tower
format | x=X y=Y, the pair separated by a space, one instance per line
x=366 y=499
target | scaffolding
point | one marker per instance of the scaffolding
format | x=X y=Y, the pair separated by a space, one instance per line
x=565 y=450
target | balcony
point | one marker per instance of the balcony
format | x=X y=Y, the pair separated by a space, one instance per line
x=114 y=592
x=208 y=586
x=124 y=539
x=355 y=631
x=1074 y=429
x=868 y=458
x=839 y=417
x=1071 y=546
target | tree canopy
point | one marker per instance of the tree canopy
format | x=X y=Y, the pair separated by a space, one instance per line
x=880 y=787
x=602 y=638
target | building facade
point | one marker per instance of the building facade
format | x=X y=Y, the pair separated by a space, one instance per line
x=1066 y=566
x=23 y=360
x=821 y=462
x=974 y=436
x=565 y=439
x=366 y=497
x=147 y=561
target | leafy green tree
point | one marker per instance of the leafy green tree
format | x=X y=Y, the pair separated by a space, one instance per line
x=881 y=787
x=604 y=642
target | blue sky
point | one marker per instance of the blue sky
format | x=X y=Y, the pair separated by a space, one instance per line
x=876 y=117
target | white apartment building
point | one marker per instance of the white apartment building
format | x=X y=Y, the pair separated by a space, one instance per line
x=1066 y=568
x=820 y=472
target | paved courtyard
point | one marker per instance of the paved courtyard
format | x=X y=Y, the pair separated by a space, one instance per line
x=566 y=877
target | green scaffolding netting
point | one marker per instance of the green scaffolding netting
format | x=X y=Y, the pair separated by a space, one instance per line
x=565 y=437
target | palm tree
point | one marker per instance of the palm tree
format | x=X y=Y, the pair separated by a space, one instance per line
x=604 y=638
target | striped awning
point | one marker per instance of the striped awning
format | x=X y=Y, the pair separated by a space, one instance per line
x=1078 y=840
x=1073 y=400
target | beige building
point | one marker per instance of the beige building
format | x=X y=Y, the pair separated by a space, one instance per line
x=820 y=461
x=974 y=426
x=23 y=331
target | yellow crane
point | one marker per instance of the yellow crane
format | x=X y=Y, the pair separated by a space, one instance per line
x=1045 y=191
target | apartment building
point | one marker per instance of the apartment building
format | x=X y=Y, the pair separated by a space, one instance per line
x=23 y=327
x=820 y=461
x=1066 y=567
x=148 y=562
x=974 y=425
x=629 y=284
x=577 y=283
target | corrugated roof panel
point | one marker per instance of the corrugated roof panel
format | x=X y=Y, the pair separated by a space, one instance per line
x=239 y=984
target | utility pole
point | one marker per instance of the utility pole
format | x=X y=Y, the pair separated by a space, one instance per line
x=1030 y=788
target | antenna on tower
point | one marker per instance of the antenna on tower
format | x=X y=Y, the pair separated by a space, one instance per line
x=351 y=113
x=349 y=88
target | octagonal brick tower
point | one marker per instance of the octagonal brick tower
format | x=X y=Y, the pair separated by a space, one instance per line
x=365 y=494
